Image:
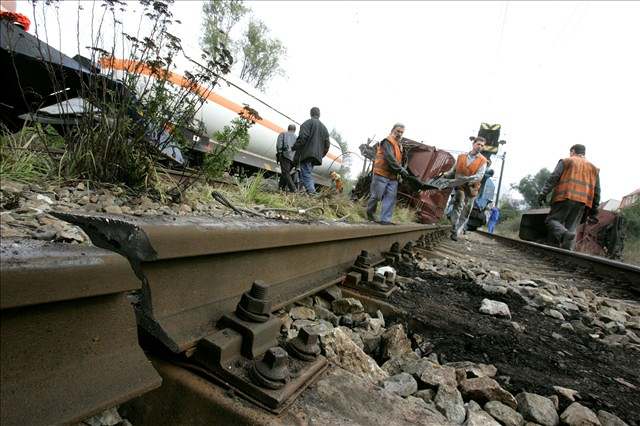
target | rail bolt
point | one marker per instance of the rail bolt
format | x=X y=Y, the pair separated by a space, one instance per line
x=379 y=283
x=254 y=305
x=272 y=371
x=363 y=260
x=390 y=277
x=305 y=346
x=408 y=249
x=395 y=248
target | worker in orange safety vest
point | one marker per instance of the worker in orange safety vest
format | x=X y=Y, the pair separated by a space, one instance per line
x=387 y=167
x=576 y=194
x=471 y=167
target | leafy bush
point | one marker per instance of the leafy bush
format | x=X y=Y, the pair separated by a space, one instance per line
x=229 y=141
x=631 y=216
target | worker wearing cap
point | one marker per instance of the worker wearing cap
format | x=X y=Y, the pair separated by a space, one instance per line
x=384 y=181
x=576 y=191
x=470 y=167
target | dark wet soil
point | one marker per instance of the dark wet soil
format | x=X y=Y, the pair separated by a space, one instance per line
x=446 y=312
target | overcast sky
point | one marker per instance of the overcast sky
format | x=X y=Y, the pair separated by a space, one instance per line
x=551 y=73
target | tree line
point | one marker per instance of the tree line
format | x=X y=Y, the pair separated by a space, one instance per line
x=258 y=54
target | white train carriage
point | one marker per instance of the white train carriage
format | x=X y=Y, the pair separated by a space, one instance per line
x=223 y=105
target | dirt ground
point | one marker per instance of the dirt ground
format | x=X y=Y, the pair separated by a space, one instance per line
x=446 y=312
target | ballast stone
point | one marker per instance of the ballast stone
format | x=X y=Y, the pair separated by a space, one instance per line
x=449 y=402
x=485 y=389
x=578 y=415
x=478 y=417
x=395 y=342
x=504 y=414
x=608 y=419
x=402 y=384
x=341 y=350
x=495 y=308
x=537 y=408
x=347 y=305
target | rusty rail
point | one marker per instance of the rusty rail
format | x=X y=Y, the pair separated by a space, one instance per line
x=69 y=337
x=69 y=340
x=194 y=270
x=599 y=265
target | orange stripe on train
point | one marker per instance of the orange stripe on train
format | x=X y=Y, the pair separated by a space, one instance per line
x=139 y=68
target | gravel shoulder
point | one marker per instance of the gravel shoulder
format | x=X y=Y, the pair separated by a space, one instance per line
x=533 y=350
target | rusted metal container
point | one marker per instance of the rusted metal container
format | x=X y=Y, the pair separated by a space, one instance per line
x=426 y=162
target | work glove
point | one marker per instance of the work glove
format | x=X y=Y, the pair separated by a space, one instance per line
x=542 y=199
x=404 y=173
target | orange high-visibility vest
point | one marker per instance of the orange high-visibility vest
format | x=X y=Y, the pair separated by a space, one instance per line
x=472 y=188
x=380 y=166
x=577 y=182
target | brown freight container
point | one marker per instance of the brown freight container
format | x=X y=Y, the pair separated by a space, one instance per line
x=426 y=162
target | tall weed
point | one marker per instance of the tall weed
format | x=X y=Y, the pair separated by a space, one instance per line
x=21 y=158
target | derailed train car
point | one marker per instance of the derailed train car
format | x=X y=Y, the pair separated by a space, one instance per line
x=31 y=69
x=599 y=236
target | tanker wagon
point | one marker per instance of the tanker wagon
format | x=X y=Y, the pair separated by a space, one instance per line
x=29 y=63
x=226 y=101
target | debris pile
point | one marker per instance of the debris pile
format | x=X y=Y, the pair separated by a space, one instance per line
x=462 y=392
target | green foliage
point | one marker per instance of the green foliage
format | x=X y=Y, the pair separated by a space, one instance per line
x=124 y=126
x=23 y=157
x=250 y=188
x=631 y=216
x=509 y=227
x=531 y=186
x=229 y=141
x=220 y=16
x=631 y=252
x=261 y=55
x=508 y=210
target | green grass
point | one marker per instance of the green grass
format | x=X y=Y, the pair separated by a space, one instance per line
x=509 y=228
x=22 y=157
x=257 y=193
x=631 y=252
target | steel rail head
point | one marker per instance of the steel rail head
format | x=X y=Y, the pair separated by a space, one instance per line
x=600 y=264
x=66 y=308
x=195 y=270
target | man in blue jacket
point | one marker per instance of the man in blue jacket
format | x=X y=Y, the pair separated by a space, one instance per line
x=494 y=216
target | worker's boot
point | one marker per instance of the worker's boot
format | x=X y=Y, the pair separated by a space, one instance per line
x=567 y=240
x=454 y=235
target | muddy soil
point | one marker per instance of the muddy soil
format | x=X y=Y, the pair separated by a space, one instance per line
x=446 y=311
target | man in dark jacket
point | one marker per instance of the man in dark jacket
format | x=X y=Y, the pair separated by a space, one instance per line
x=311 y=147
x=284 y=155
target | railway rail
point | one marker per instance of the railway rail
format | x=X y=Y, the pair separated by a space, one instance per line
x=200 y=293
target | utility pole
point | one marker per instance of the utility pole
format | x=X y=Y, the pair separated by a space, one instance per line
x=504 y=154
